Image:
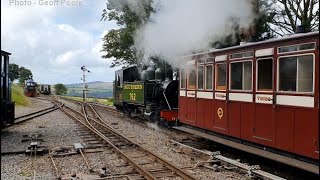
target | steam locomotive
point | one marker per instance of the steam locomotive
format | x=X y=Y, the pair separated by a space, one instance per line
x=152 y=93
x=30 y=88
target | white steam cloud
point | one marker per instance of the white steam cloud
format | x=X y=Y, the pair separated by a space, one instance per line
x=181 y=27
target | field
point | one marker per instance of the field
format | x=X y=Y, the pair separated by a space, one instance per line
x=97 y=89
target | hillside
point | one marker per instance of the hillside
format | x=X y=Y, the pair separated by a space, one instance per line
x=97 y=89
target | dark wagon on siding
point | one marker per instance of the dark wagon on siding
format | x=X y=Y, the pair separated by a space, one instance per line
x=7 y=106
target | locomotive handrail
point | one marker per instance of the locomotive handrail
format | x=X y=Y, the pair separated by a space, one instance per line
x=165 y=97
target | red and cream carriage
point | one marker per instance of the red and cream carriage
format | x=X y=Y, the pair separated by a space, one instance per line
x=266 y=93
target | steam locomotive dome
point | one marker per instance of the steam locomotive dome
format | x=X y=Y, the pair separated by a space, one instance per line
x=150 y=72
x=159 y=74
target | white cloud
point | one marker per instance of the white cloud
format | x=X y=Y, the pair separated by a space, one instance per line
x=54 y=42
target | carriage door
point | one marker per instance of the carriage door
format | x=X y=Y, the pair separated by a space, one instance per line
x=201 y=94
x=191 y=94
x=182 y=95
x=263 y=127
x=220 y=110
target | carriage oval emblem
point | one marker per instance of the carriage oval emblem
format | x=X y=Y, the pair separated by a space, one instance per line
x=220 y=112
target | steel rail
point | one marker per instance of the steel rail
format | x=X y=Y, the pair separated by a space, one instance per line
x=146 y=174
x=154 y=156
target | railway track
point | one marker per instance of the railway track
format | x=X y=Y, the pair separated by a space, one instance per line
x=33 y=115
x=253 y=170
x=146 y=164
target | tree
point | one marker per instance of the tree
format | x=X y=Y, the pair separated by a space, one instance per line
x=118 y=43
x=258 y=29
x=24 y=74
x=13 y=71
x=291 y=13
x=60 y=89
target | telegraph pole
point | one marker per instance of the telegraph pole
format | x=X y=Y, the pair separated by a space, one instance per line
x=85 y=86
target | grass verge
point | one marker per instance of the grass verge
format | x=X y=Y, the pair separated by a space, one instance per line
x=18 y=96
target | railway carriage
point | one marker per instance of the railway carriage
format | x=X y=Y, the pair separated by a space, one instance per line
x=262 y=93
x=45 y=89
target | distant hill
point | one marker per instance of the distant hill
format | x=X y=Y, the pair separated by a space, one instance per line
x=97 y=89
x=92 y=85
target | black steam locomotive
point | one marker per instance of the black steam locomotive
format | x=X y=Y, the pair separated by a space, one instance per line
x=7 y=106
x=152 y=93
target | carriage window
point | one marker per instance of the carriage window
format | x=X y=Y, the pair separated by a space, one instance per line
x=183 y=78
x=241 y=55
x=191 y=77
x=118 y=81
x=209 y=60
x=296 y=73
x=221 y=77
x=241 y=75
x=200 y=77
x=209 y=79
x=265 y=74
x=301 y=47
x=200 y=61
x=2 y=66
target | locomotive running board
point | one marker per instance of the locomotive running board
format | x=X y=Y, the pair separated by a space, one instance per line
x=256 y=151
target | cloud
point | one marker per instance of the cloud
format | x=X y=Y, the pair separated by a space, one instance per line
x=54 y=42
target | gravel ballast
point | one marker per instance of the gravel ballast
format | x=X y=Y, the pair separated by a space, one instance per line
x=58 y=130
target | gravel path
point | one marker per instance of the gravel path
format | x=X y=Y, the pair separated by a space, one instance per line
x=57 y=130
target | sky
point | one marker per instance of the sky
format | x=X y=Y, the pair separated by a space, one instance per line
x=54 y=40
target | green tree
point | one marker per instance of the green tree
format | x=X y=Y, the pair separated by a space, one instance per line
x=13 y=71
x=118 y=43
x=60 y=89
x=24 y=74
x=258 y=30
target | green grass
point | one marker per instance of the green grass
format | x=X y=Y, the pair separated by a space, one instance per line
x=18 y=96
x=108 y=102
